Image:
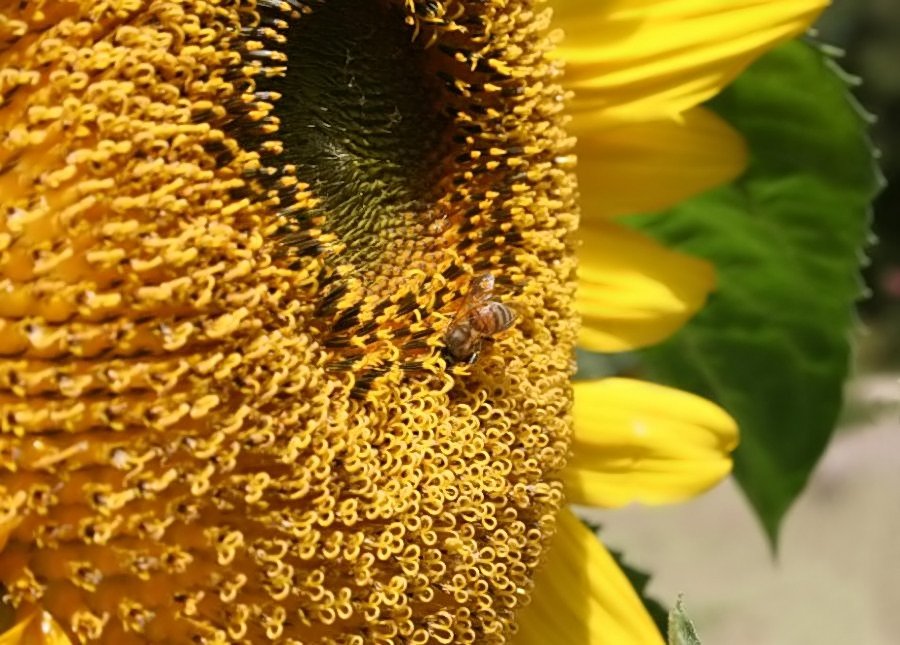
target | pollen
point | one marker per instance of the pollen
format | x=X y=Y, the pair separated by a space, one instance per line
x=233 y=236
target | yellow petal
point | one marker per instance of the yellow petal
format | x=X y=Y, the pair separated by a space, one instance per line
x=641 y=442
x=644 y=167
x=582 y=597
x=37 y=628
x=632 y=291
x=638 y=60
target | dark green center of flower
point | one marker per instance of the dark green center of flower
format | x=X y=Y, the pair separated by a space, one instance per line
x=360 y=120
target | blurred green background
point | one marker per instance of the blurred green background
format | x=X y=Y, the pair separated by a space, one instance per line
x=869 y=32
x=835 y=579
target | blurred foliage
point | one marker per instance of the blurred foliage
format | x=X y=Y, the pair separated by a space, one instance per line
x=773 y=344
x=869 y=32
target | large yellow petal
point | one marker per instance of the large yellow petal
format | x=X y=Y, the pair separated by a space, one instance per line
x=582 y=597
x=644 y=167
x=640 y=60
x=37 y=628
x=632 y=291
x=641 y=442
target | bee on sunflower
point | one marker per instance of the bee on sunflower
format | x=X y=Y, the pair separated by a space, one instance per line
x=239 y=241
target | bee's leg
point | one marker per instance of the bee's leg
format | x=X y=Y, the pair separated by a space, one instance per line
x=448 y=356
x=476 y=350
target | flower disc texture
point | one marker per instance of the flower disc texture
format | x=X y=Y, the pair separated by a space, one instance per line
x=233 y=235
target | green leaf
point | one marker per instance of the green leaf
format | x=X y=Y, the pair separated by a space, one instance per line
x=593 y=365
x=772 y=346
x=681 y=629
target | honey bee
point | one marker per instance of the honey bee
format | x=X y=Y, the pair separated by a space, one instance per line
x=478 y=318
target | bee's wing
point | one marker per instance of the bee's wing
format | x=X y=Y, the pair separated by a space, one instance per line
x=480 y=289
x=482 y=286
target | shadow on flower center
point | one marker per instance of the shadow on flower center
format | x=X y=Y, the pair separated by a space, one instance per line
x=361 y=120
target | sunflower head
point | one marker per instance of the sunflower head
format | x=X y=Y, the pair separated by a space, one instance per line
x=234 y=237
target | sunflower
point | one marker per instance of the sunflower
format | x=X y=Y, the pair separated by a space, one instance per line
x=240 y=245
